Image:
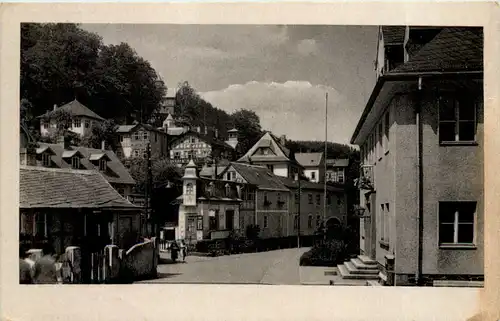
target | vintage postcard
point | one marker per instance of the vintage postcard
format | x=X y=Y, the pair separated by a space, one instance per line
x=164 y=152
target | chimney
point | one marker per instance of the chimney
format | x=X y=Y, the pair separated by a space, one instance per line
x=55 y=107
x=63 y=141
x=103 y=145
x=206 y=130
x=216 y=134
x=283 y=140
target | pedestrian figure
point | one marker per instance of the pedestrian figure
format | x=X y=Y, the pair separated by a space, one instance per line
x=25 y=271
x=45 y=271
x=183 y=250
x=174 y=251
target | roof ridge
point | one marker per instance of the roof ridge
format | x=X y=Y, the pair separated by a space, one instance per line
x=63 y=170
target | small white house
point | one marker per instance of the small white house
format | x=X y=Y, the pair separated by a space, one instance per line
x=314 y=166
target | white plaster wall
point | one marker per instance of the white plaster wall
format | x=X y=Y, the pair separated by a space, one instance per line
x=281 y=170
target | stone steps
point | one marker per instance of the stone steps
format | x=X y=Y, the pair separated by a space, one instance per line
x=354 y=270
x=362 y=266
x=346 y=274
x=366 y=260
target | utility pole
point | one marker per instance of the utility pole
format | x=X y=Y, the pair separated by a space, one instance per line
x=149 y=191
x=298 y=212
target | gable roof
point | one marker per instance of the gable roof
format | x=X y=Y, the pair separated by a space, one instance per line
x=307 y=185
x=65 y=188
x=393 y=34
x=206 y=138
x=267 y=140
x=259 y=176
x=338 y=162
x=452 y=49
x=208 y=171
x=76 y=108
x=116 y=172
x=122 y=129
x=309 y=159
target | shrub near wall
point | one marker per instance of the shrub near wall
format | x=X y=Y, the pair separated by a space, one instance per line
x=328 y=253
x=140 y=261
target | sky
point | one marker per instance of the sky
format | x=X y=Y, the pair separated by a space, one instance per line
x=281 y=72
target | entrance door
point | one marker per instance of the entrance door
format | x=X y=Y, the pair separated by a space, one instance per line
x=229 y=219
x=191 y=229
x=370 y=226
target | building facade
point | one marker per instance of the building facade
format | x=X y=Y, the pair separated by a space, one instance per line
x=314 y=166
x=421 y=137
x=202 y=149
x=271 y=152
x=134 y=139
x=336 y=170
x=73 y=116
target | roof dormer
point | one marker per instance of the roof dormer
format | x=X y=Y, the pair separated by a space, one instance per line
x=100 y=160
x=44 y=155
x=72 y=157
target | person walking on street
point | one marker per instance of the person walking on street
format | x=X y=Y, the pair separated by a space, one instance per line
x=183 y=250
x=45 y=271
x=174 y=251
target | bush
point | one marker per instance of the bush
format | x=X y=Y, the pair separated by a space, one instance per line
x=329 y=253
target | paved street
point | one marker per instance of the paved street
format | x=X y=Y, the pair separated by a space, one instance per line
x=273 y=267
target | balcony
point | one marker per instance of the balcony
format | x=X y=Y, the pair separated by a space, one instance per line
x=366 y=180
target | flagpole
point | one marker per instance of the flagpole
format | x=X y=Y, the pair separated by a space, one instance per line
x=325 y=156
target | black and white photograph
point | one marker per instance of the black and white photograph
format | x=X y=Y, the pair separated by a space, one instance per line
x=251 y=154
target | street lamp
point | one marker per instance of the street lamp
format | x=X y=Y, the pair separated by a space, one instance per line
x=359 y=211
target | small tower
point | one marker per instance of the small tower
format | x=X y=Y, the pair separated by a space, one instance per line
x=189 y=184
x=169 y=122
x=233 y=138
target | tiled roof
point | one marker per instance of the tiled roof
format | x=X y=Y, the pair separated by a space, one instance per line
x=453 y=49
x=393 y=34
x=340 y=162
x=259 y=176
x=268 y=141
x=115 y=172
x=77 y=109
x=130 y=128
x=307 y=185
x=176 y=131
x=65 y=188
x=215 y=190
x=207 y=171
x=206 y=138
x=309 y=159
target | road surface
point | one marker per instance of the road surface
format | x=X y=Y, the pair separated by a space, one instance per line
x=272 y=267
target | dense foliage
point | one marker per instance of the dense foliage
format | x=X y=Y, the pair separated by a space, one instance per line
x=61 y=62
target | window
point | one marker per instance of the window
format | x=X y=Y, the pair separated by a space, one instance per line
x=77 y=123
x=270 y=167
x=87 y=123
x=144 y=154
x=266 y=201
x=228 y=190
x=199 y=223
x=156 y=137
x=309 y=221
x=46 y=125
x=340 y=175
x=189 y=189
x=119 y=153
x=380 y=144
x=193 y=140
x=382 y=223
x=75 y=162
x=387 y=126
x=265 y=221
x=145 y=135
x=310 y=198
x=213 y=221
x=313 y=175
x=41 y=228
x=278 y=197
x=457 y=119
x=102 y=165
x=137 y=135
x=121 y=191
x=318 y=199
x=121 y=138
x=296 y=222
x=456 y=222
x=387 y=223
x=46 y=159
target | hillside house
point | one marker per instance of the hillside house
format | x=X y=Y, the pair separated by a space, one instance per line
x=81 y=119
x=421 y=136
x=134 y=139
x=336 y=170
x=314 y=166
x=271 y=152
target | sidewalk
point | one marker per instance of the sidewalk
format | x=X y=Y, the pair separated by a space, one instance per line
x=319 y=275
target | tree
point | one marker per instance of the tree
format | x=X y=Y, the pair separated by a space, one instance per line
x=61 y=62
x=101 y=132
x=247 y=122
x=162 y=171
